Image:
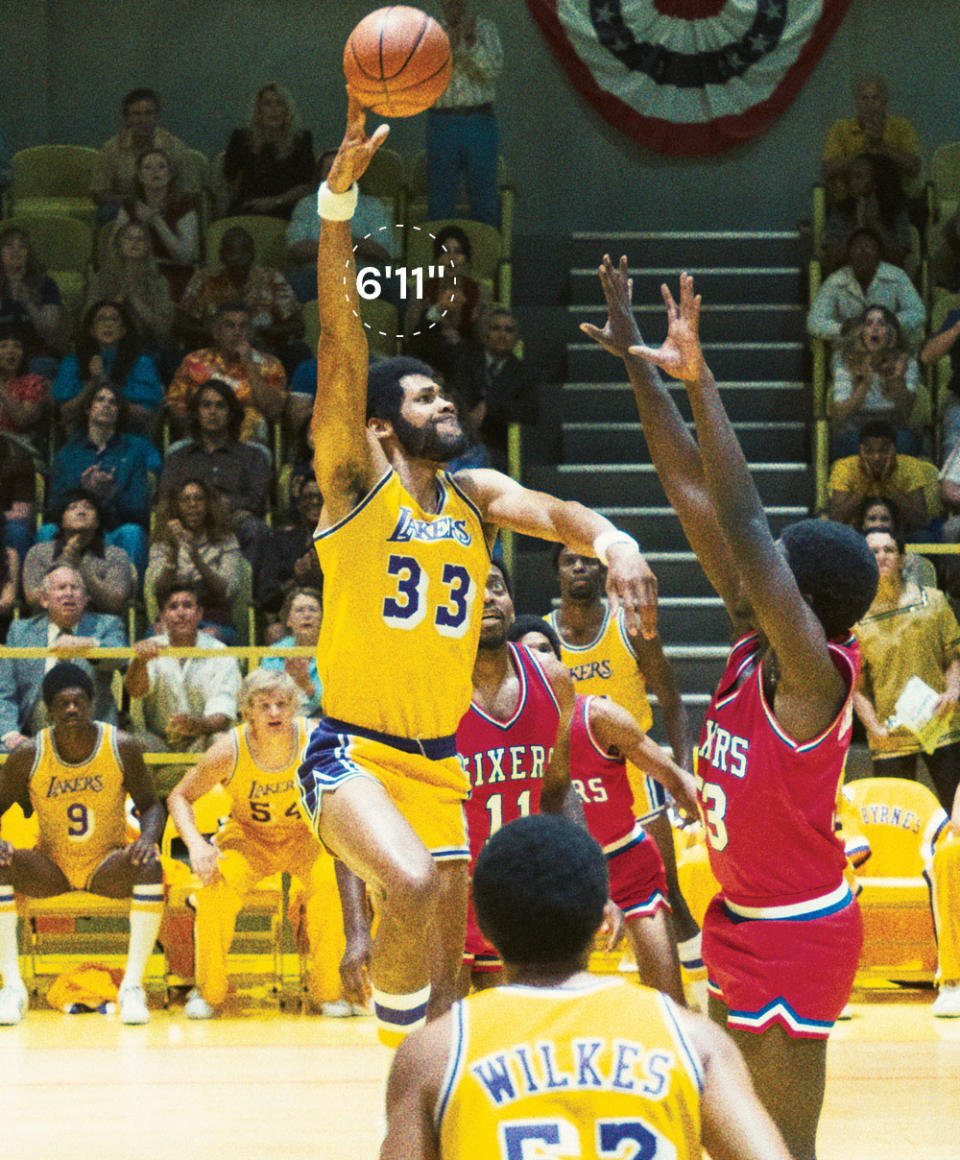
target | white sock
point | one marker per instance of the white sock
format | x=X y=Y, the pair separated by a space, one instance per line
x=146 y=911
x=690 y=952
x=9 y=952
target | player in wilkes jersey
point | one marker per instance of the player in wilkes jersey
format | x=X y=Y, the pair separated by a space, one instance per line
x=781 y=941
x=559 y=1062
x=266 y=834
x=76 y=775
x=404 y=550
x=604 y=660
x=513 y=743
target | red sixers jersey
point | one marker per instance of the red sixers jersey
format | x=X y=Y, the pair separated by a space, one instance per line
x=768 y=801
x=505 y=760
x=601 y=782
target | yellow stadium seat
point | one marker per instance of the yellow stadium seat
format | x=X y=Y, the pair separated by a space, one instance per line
x=62 y=243
x=269 y=238
x=54 y=179
x=900 y=821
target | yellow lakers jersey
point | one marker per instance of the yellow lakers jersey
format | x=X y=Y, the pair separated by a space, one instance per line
x=401 y=616
x=607 y=667
x=602 y=1070
x=266 y=802
x=79 y=807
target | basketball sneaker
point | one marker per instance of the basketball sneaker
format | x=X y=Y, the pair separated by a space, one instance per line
x=197 y=1007
x=947 y=1003
x=133 y=1005
x=13 y=1004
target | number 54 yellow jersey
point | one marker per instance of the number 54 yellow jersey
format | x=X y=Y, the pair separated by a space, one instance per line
x=401 y=616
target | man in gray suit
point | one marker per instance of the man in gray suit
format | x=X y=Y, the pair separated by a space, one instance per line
x=63 y=627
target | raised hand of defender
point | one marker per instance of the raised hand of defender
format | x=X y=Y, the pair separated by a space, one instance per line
x=620 y=331
x=356 y=148
x=680 y=355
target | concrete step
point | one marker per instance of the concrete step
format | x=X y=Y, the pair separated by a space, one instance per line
x=584 y=402
x=752 y=361
x=678 y=574
x=657 y=529
x=637 y=484
x=624 y=442
x=719 y=284
x=685 y=249
x=742 y=322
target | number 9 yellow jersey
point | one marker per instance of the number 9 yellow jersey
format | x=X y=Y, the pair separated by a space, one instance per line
x=403 y=600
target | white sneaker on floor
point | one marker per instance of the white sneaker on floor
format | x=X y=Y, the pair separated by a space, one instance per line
x=197 y=1007
x=947 y=1003
x=133 y=1005
x=342 y=1009
x=13 y=1004
x=845 y=1014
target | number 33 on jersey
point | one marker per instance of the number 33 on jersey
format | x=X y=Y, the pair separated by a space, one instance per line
x=401 y=589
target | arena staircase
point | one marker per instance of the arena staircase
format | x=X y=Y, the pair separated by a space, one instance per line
x=752 y=327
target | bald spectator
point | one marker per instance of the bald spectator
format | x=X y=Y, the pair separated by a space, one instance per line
x=909 y=484
x=257 y=379
x=64 y=628
x=115 y=177
x=183 y=703
x=871 y=130
x=865 y=281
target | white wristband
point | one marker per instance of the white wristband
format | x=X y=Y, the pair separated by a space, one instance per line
x=336 y=207
x=606 y=540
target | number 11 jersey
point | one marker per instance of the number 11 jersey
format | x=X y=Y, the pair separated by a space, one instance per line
x=401 y=616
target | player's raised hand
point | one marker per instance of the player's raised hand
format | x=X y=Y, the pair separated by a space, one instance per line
x=632 y=586
x=680 y=355
x=356 y=148
x=620 y=331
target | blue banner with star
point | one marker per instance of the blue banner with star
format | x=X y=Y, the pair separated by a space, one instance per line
x=689 y=77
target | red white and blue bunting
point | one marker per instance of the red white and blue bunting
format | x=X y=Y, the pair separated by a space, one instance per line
x=689 y=77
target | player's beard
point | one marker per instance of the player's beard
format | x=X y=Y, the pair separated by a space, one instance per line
x=428 y=443
x=492 y=637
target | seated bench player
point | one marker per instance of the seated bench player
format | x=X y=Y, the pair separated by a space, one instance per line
x=266 y=834
x=76 y=775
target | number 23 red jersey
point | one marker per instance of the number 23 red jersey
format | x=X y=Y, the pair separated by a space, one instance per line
x=768 y=801
x=504 y=760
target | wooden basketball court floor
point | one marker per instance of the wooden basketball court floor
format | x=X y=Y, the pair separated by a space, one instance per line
x=264 y=1084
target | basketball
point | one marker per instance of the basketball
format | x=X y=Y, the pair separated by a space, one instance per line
x=397 y=61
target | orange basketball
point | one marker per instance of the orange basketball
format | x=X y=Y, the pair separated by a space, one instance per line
x=397 y=61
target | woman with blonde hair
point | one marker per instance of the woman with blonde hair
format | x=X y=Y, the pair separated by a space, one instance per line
x=874 y=377
x=269 y=164
x=131 y=278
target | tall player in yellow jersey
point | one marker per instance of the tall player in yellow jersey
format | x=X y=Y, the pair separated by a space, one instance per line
x=266 y=834
x=606 y=662
x=404 y=550
x=76 y=775
x=559 y=1062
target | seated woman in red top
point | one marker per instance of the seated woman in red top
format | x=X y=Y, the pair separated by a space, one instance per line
x=24 y=397
x=170 y=217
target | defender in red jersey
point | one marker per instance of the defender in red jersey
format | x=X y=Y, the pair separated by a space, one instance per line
x=782 y=939
x=513 y=745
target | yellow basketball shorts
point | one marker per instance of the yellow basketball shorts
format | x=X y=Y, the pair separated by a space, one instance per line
x=423 y=778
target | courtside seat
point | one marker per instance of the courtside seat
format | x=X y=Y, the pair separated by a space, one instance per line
x=900 y=821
